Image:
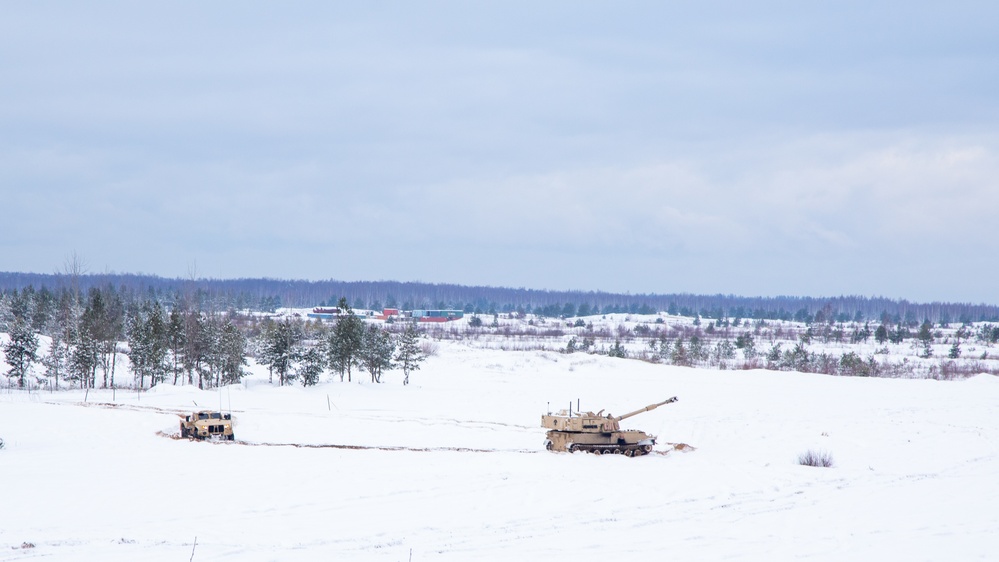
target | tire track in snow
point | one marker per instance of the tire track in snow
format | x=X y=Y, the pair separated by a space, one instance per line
x=177 y=437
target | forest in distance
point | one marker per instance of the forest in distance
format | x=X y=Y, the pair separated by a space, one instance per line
x=268 y=294
x=188 y=334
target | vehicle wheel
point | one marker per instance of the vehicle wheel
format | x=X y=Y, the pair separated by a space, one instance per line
x=629 y=453
x=183 y=432
x=618 y=451
x=596 y=451
x=647 y=448
x=571 y=448
x=232 y=438
x=607 y=451
x=549 y=445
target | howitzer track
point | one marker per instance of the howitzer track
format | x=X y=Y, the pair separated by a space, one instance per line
x=177 y=437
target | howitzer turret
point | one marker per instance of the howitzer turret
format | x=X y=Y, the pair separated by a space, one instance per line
x=596 y=433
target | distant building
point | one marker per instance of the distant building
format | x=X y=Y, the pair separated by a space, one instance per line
x=327 y=313
x=324 y=313
x=435 y=315
x=388 y=312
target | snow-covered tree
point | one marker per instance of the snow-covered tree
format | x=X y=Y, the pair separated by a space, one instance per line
x=680 y=355
x=376 y=353
x=146 y=332
x=176 y=342
x=66 y=326
x=55 y=362
x=279 y=349
x=311 y=364
x=231 y=356
x=881 y=334
x=925 y=337
x=5 y=313
x=22 y=349
x=955 y=349
x=408 y=354
x=103 y=323
x=345 y=340
x=196 y=345
x=83 y=360
x=617 y=350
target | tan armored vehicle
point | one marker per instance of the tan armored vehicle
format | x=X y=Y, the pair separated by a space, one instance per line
x=207 y=424
x=598 y=434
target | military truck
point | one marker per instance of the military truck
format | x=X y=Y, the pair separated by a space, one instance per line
x=598 y=434
x=207 y=424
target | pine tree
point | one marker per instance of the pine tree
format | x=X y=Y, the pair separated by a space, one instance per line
x=345 y=341
x=408 y=354
x=22 y=349
x=696 y=351
x=5 y=313
x=665 y=352
x=67 y=325
x=376 y=352
x=865 y=334
x=311 y=365
x=679 y=356
x=55 y=361
x=279 y=350
x=925 y=336
x=138 y=344
x=158 y=330
x=83 y=360
x=233 y=353
x=881 y=334
x=148 y=342
x=747 y=344
x=195 y=346
x=214 y=353
x=176 y=342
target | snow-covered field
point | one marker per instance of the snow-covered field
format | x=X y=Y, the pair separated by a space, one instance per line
x=452 y=467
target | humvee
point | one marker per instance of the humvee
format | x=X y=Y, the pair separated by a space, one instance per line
x=207 y=424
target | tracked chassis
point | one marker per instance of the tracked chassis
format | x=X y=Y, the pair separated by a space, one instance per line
x=598 y=434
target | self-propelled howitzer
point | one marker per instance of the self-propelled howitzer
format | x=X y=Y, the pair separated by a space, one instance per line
x=597 y=433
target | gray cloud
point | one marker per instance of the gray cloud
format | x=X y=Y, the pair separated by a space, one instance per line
x=711 y=148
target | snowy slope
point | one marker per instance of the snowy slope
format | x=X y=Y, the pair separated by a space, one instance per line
x=452 y=467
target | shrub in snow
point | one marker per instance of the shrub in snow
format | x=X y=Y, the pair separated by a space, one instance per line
x=429 y=349
x=813 y=458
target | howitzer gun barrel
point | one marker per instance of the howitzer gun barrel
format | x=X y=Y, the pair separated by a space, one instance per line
x=645 y=409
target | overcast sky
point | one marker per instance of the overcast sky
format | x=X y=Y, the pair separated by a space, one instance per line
x=751 y=148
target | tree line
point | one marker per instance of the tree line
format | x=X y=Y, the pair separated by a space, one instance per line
x=181 y=342
x=296 y=349
x=270 y=294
